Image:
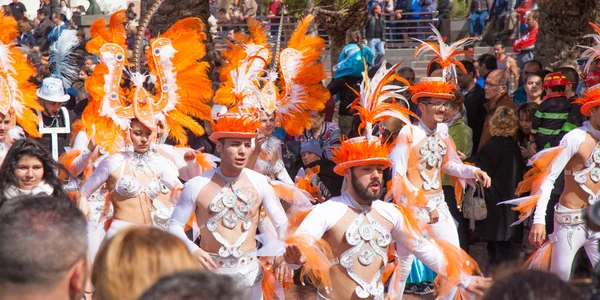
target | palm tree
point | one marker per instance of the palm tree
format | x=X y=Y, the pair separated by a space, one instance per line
x=563 y=23
x=335 y=17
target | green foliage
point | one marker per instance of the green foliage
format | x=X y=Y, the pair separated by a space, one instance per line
x=460 y=9
x=298 y=6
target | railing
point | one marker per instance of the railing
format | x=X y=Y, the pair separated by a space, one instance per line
x=398 y=33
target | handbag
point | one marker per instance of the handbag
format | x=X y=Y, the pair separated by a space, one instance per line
x=474 y=207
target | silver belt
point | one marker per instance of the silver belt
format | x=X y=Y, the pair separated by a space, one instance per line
x=570 y=217
x=234 y=262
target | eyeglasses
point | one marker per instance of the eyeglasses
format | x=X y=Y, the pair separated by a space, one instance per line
x=438 y=105
x=492 y=84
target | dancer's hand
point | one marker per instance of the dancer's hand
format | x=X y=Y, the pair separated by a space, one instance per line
x=537 y=235
x=282 y=272
x=260 y=139
x=191 y=155
x=205 y=260
x=84 y=206
x=434 y=216
x=293 y=255
x=483 y=178
x=479 y=285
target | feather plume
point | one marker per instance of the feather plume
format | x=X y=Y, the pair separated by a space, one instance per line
x=9 y=31
x=63 y=58
x=591 y=53
x=458 y=263
x=444 y=54
x=540 y=259
x=318 y=255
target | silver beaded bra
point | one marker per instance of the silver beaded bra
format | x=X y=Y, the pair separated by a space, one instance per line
x=231 y=207
x=432 y=153
x=361 y=235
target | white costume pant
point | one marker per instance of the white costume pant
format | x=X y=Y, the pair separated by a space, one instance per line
x=95 y=226
x=570 y=234
x=444 y=229
x=245 y=271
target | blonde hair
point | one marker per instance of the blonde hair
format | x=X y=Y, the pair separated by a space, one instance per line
x=504 y=122
x=134 y=259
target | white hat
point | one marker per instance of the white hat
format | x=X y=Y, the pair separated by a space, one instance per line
x=52 y=90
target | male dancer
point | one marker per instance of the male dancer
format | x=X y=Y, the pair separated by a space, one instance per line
x=228 y=201
x=359 y=228
x=579 y=156
x=423 y=153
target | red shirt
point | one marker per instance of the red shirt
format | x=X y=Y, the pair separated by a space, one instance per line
x=526 y=42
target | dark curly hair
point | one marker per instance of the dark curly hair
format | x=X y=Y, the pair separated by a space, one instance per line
x=32 y=148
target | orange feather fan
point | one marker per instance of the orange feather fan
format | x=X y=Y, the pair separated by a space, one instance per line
x=318 y=256
x=541 y=258
x=458 y=263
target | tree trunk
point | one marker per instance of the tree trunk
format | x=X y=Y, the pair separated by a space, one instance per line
x=336 y=23
x=563 y=23
x=171 y=11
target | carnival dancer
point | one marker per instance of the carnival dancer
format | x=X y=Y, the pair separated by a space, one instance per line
x=358 y=227
x=578 y=156
x=29 y=170
x=227 y=200
x=17 y=99
x=137 y=177
x=54 y=119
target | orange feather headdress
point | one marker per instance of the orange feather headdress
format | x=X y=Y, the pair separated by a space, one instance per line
x=183 y=87
x=590 y=99
x=444 y=54
x=376 y=102
x=434 y=87
x=17 y=95
x=593 y=52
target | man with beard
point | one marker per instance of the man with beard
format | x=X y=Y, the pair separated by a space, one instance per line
x=228 y=201
x=423 y=153
x=359 y=228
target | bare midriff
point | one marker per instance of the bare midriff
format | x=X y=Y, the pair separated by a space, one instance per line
x=573 y=196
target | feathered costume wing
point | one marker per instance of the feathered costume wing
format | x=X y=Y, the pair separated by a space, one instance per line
x=17 y=94
x=445 y=55
x=182 y=82
x=102 y=116
x=591 y=53
x=301 y=77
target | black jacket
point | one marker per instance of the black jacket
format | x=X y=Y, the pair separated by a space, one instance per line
x=329 y=179
x=476 y=113
x=369 y=31
x=548 y=121
x=41 y=34
x=500 y=157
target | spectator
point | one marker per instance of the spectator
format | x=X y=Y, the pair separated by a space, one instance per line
x=131 y=15
x=374 y=32
x=443 y=8
x=485 y=64
x=46 y=5
x=89 y=62
x=193 y=285
x=525 y=113
x=43 y=29
x=474 y=101
x=65 y=10
x=524 y=46
x=17 y=9
x=500 y=157
x=533 y=66
x=506 y=63
x=327 y=182
x=7 y=11
x=499 y=12
x=327 y=133
x=371 y=3
x=273 y=13
x=26 y=38
x=548 y=122
x=462 y=136
x=131 y=32
x=134 y=259
x=28 y=169
x=480 y=10
x=576 y=118
x=35 y=57
x=533 y=88
x=79 y=11
x=59 y=25
x=531 y=285
x=223 y=16
x=496 y=89
x=428 y=10
x=43 y=254
x=469 y=54
x=388 y=6
x=248 y=9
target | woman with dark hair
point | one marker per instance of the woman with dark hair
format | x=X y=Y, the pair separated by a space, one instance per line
x=28 y=169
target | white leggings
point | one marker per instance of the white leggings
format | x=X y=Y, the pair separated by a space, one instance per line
x=444 y=229
x=567 y=240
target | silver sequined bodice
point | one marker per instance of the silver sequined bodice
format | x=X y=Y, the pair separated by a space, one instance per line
x=432 y=153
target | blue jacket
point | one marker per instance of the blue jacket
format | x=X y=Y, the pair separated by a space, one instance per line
x=26 y=40
x=351 y=63
x=55 y=32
